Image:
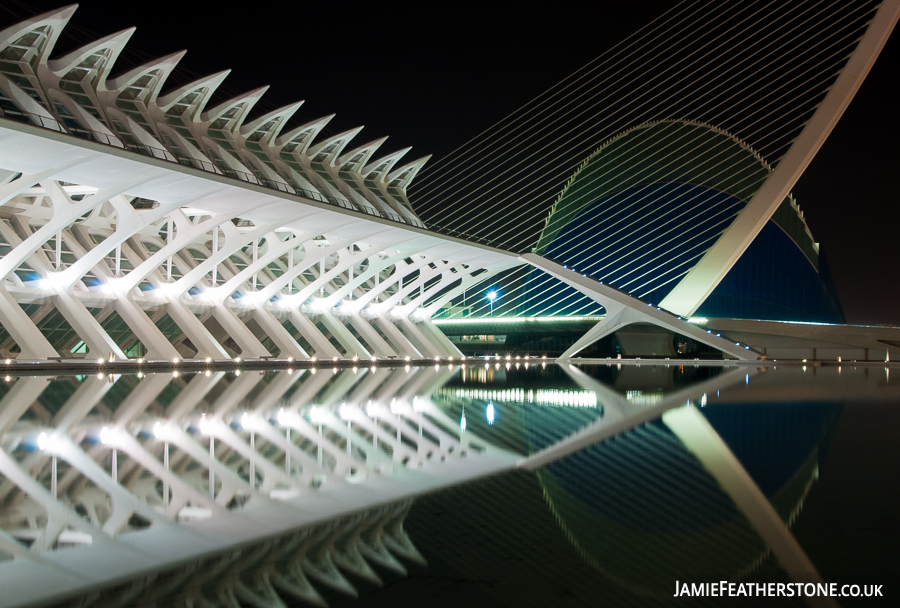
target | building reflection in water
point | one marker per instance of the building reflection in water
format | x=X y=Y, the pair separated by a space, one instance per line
x=223 y=487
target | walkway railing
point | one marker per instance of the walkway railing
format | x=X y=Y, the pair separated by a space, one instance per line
x=80 y=132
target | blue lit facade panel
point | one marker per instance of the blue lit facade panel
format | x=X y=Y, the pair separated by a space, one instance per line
x=773 y=280
x=642 y=211
x=644 y=238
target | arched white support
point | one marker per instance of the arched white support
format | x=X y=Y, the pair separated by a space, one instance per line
x=622 y=310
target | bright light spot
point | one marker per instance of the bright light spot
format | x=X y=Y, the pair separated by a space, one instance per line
x=355 y=358
x=209 y=359
x=175 y=374
x=290 y=359
x=373 y=359
x=158 y=429
x=250 y=422
x=8 y=361
x=8 y=378
x=282 y=416
x=462 y=423
x=204 y=425
x=237 y=359
x=313 y=360
x=140 y=360
x=208 y=373
x=104 y=435
x=703 y=400
x=334 y=359
x=318 y=415
x=489 y=412
x=237 y=372
x=100 y=361
x=407 y=359
x=175 y=360
x=42 y=442
x=492 y=295
x=437 y=358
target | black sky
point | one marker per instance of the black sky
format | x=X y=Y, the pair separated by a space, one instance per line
x=433 y=75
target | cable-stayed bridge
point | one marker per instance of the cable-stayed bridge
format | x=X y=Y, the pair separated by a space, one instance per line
x=143 y=225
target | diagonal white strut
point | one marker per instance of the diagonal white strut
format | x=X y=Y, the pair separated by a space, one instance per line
x=703 y=278
x=622 y=310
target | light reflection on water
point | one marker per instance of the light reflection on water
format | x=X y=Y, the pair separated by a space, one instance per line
x=633 y=503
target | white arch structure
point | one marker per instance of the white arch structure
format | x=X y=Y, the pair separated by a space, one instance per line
x=195 y=232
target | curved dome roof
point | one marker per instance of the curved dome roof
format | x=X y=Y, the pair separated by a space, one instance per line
x=671 y=152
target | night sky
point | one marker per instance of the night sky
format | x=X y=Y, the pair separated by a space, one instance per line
x=433 y=76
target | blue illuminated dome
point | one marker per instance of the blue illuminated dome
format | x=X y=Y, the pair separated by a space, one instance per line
x=643 y=209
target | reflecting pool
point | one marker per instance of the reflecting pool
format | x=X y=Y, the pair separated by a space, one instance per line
x=500 y=483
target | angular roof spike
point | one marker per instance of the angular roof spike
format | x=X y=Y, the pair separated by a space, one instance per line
x=114 y=42
x=249 y=99
x=284 y=113
x=56 y=19
x=341 y=139
x=368 y=150
x=390 y=160
x=412 y=168
x=166 y=63
x=210 y=82
x=313 y=126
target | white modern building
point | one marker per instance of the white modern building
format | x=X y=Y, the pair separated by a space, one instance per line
x=136 y=225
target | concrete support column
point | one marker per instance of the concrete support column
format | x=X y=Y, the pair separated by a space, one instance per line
x=402 y=346
x=279 y=335
x=423 y=344
x=351 y=345
x=248 y=343
x=206 y=345
x=158 y=347
x=324 y=348
x=32 y=343
x=439 y=338
x=99 y=343
x=382 y=348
